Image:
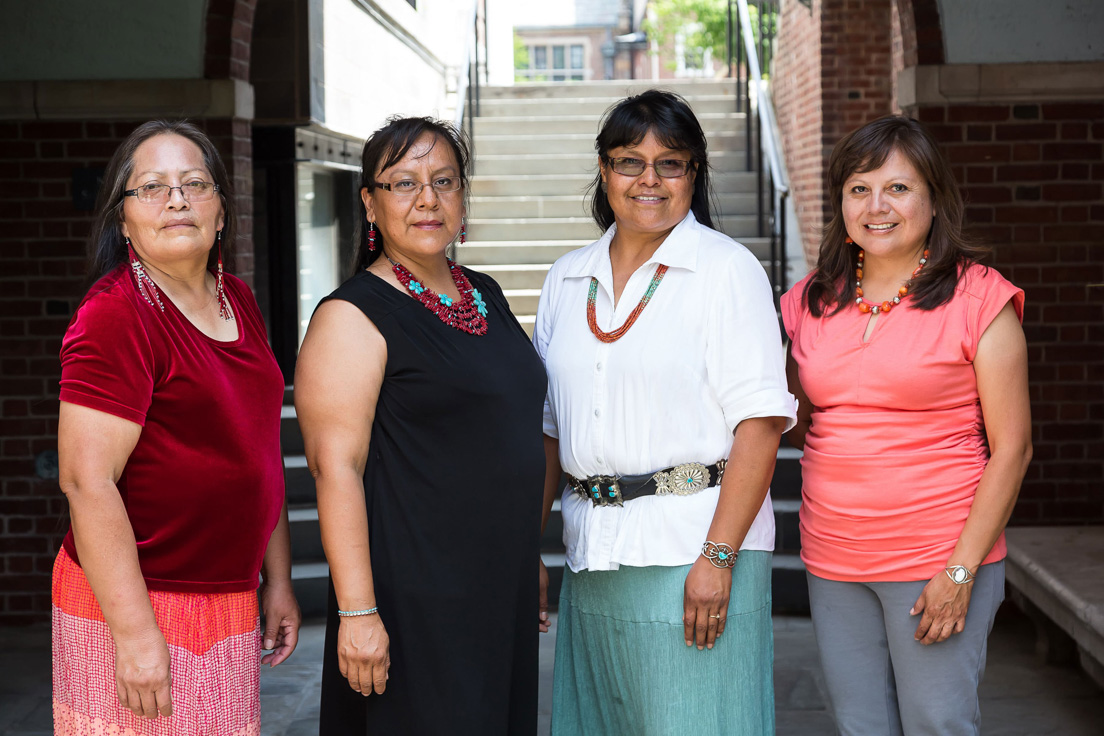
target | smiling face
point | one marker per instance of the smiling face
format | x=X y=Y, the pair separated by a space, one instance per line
x=177 y=229
x=426 y=222
x=648 y=203
x=888 y=211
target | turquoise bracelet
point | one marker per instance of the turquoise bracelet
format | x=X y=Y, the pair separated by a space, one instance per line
x=365 y=612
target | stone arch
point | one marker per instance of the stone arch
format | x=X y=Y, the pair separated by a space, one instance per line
x=921 y=33
x=229 y=33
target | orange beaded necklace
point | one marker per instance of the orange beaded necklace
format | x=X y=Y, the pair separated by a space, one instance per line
x=870 y=307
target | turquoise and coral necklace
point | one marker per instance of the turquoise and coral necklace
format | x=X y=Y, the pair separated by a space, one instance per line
x=468 y=315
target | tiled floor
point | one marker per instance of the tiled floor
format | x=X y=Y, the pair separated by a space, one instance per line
x=1019 y=696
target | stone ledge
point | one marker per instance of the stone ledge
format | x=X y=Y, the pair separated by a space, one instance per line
x=1057 y=569
x=996 y=83
x=136 y=99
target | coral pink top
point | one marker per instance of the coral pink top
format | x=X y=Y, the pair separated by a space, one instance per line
x=897 y=443
x=204 y=486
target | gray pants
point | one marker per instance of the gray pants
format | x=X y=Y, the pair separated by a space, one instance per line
x=882 y=682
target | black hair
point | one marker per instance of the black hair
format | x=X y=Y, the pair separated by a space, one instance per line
x=106 y=243
x=385 y=148
x=669 y=117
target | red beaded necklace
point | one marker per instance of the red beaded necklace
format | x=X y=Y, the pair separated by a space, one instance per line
x=592 y=318
x=468 y=315
x=865 y=306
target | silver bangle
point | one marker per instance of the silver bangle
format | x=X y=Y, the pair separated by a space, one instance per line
x=959 y=575
x=365 y=612
x=720 y=555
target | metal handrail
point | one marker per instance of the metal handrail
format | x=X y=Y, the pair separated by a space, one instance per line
x=766 y=127
x=469 y=69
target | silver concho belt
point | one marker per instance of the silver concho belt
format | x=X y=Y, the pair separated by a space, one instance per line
x=682 y=480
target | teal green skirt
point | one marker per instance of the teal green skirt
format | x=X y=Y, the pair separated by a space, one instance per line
x=623 y=667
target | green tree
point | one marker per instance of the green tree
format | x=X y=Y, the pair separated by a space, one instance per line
x=521 y=59
x=704 y=23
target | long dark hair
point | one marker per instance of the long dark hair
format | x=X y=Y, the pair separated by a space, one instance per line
x=385 y=148
x=669 y=117
x=867 y=149
x=106 y=244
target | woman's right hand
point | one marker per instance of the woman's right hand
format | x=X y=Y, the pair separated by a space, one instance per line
x=364 y=653
x=543 y=624
x=143 y=679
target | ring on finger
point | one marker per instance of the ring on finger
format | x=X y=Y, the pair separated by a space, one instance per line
x=714 y=615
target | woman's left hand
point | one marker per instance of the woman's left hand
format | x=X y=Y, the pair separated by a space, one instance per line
x=943 y=606
x=705 y=603
x=282 y=619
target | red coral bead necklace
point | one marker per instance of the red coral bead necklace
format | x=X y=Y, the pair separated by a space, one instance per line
x=467 y=315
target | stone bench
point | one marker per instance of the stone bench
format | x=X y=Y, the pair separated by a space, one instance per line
x=1056 y=575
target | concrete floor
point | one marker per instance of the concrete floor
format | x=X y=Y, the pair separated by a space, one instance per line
x=1019 y=696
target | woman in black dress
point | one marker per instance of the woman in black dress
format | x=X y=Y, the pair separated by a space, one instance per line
x=420 y=400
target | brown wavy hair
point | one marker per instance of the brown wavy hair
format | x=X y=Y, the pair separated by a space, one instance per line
x=867 y=149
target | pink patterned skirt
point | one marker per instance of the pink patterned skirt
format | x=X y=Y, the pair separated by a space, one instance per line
x=214 y=646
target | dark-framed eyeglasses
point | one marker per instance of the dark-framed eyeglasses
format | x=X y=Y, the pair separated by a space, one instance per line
x=408 y=187
x=191 y=191
x=667 y=168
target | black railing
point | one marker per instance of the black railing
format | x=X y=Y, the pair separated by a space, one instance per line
x=471 y=68
x=749 y=41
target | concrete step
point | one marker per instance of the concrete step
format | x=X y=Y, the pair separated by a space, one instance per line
x=577 y=205
x=561 y=205
x=575 y=163
x=484 y=184
x=615 y=88
x=789 y=586
x=533 y=228
x=479 y=253
x=527 y=323
x=585 y=123
x=522 y=301
x=786 y=483
x=306 y=541
x=309 y=579
x=787 y=536
x=517 y=275
x=300 y=483
x=521 y=142
x=291 y=439
x=548 y=107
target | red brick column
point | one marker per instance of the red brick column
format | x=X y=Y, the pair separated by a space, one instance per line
x=833 y=73
x=1033 y=177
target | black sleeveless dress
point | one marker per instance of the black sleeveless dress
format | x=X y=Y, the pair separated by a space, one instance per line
x=453 y=485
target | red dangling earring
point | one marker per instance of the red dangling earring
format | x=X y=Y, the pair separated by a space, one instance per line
x=848 y=240
x=463 y=229
x=220 y=293
x=371 y=236
x=146 y=287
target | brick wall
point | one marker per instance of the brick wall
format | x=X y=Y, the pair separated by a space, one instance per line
x=1033 y=177
x=42 y=248
x=833 y=73
x=795 y=88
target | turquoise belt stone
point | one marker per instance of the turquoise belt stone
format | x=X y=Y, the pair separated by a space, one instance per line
x=681 y=480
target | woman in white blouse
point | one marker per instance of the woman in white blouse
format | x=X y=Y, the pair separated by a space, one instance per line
x=667 y=397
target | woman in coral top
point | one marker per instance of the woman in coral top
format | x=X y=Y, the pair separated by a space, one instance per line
x=910 y=366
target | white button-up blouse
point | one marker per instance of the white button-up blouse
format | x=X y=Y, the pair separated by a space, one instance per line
x=704 y=355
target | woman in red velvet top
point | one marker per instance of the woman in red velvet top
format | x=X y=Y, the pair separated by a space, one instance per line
x=169 y=448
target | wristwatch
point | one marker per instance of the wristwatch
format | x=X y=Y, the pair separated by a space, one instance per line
x=959 y=575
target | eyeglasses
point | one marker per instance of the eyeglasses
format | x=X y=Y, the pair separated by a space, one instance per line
x=407 y=187
x=192 y=191
x=668 y=168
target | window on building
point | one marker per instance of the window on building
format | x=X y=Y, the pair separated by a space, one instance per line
x=540 y=57
x=568 y=62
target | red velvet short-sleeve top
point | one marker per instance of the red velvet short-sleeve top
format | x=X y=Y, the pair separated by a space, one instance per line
x=897 y=443
x=204 y=486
